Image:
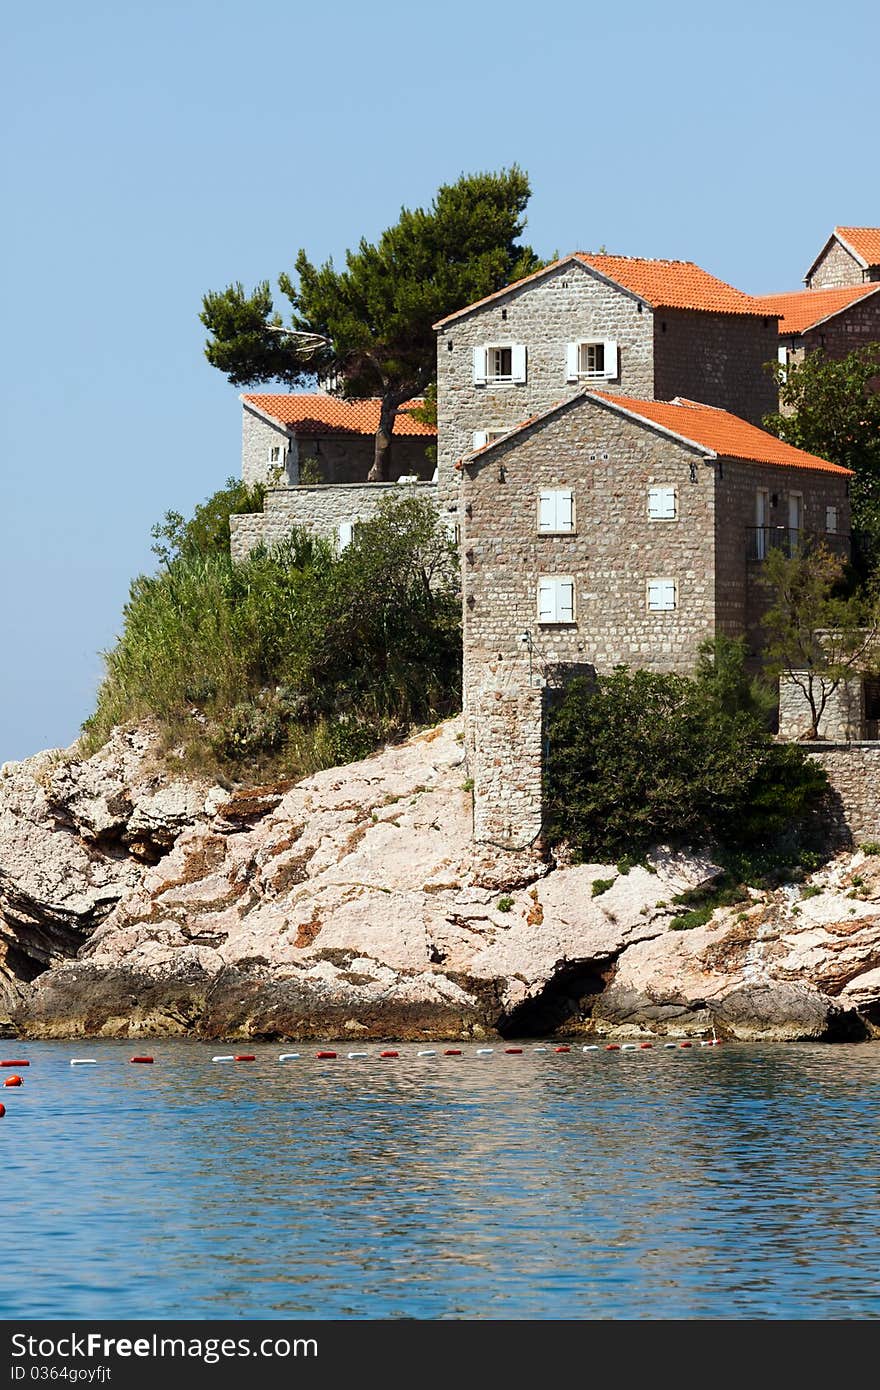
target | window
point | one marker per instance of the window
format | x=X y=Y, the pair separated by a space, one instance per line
x=452 y=531
x=276 y=455
x=661 y=503
x=831 y=520
x=500 y=362
x=661 y=595
x=556 y=599
x=556 y=510
x=479 y=438
x=588 y=360
x=344 y=533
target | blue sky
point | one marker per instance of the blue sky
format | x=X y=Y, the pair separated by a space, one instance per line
x=152 y=153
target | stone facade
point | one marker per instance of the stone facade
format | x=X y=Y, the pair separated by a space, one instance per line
x=321 y=509
x=614 y=557
x=836 y=267
x=258 y=440
x=717 y=359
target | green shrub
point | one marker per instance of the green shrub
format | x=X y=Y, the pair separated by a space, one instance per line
x=638 y=758
x=293 y=658
x=870 y=847
x=504 y=903
x=600 y=886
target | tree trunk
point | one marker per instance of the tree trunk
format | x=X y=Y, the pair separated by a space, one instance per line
x=382 y=457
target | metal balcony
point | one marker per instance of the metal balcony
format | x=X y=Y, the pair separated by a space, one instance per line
x=760 y=540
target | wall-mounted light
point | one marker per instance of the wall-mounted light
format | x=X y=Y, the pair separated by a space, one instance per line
x=502 y=473
x=693 y=472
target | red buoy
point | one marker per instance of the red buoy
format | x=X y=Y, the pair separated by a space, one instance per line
x=2 y=1111
x=389 y=1054
x=452 y=1052
x=562 y=1049
x=613 y=1047
x=141 y=1059
x=644 y=1045
x=326 y=1056
x=240 y=1057
x=19 y=1063
x=687 y=1044
x=513 y=1051
x=13 y=1081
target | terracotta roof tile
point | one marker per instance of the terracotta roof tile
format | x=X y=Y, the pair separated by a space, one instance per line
x=672 y=284
x=864 y=241
x=309 y=415
x=661 y=284
x=803 y=309
x=721 y=433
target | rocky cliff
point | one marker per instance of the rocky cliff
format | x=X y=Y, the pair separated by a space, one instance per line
x=353 y=905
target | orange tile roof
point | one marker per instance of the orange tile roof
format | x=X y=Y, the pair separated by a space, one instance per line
x=321 y=415
x=720 y=432
x=661 y=284
x=673 y=284
x=863 y=241
x=803 y=309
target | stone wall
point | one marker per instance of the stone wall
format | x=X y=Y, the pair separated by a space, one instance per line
x=717 y=359
x=843 y=720
x=319 y=508
x=258 y=437
x=567 y=305
x=740 y=596
x=506 y=757
x=835 y=269
x=852 y=811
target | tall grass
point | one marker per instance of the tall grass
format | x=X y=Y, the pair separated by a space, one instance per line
x=296 y=657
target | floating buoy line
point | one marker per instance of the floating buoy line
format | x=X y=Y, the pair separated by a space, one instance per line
x=15 y=1081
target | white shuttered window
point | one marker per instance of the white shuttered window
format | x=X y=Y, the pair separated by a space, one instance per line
x=661 y=595
x=556 y=599
x=500 y=362
x=556 y=510
x=344 y=533
x=591 y=360
x=831 y=520
x=661 y=503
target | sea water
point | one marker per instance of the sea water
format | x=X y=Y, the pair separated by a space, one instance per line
x=731 y=1182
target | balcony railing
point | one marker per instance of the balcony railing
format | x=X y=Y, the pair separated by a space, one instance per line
x=760 y=540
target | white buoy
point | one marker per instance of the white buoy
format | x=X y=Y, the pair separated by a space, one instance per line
x=83 y=1061
x=484 y=1051
x=285 y=1057
x=540 y=1049
x=428 y=1053
x=629 y=1047
x=358 y=1054
x=230 y=1058
x=591 y=1047
x=670 y=1044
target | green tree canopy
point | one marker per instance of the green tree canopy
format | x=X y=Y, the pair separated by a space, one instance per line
x=372 y=323
x=832 y=408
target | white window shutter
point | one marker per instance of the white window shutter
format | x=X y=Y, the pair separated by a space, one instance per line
x=546 y=511
x=547 y=601
x=479 y=366
x=564 y=511
x=344 y=533
x=571 y=361
x=565 y=601
x=518 y=362
x=479 y=438
x=610 y=359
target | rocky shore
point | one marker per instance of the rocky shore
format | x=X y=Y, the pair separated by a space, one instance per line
x=354 y=905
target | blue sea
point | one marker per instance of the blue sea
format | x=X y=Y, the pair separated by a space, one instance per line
x=733 y=1182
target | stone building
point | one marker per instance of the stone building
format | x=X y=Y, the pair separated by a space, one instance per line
x=606 y=530
x=837 y=321
x=648 y=328
x=315 y=451
x=850 y=256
